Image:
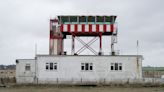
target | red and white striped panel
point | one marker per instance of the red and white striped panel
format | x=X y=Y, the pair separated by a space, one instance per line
x=87 y=28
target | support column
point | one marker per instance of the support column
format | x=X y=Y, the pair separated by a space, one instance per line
x=112 y=45
x=100 y=44
x=73 y=45
x=61 y=46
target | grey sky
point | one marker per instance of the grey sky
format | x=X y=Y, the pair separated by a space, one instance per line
x=26 y=22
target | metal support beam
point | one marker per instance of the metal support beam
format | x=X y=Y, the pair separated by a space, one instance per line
x=73 y=45
x=86 y=45
x=100 y=44
x=61 y=46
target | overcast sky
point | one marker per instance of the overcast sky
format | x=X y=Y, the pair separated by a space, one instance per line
x=24 y=23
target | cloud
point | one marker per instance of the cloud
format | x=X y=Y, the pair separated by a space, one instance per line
x=23 y=23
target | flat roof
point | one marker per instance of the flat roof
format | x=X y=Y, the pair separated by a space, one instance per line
x=46 y=55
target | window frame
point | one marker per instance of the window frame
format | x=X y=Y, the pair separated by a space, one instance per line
x=86 y=66
x=28 y=67
x=116 y=66
x=51 y=66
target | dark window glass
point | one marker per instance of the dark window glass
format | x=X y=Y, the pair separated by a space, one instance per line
x=112 y=68
x=27 y=67
x=64 y=19
x=100 y=19
x=86 y=66
x=91 y=19
x=108 y=19
x=91 y=67
x=55 y=67
x=51 y=66
x=116 y=66
x=82 y=67
x=47 y=67
x=82 y=19
x=120 y=67
x=73 y=18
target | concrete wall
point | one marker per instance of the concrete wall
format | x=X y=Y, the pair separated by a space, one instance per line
x=7 y=73
x=22 y=75
x=69 y=69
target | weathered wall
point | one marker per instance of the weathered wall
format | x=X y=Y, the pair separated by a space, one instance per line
x=22 y=75
x=69 y=69
x=7 y=73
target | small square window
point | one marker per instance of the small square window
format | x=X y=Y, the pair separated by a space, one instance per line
x=27 y=67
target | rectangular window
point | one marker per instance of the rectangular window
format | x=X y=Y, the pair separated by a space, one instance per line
x=51 y=66
x=55 y=66
x=91 y=66
x=82 y=66
x=112 y=66
x=47 y=66
x=86 y=66
x=116 y=66
x=120 y=66
x=27 y=67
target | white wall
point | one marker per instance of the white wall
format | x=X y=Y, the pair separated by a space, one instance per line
x=69 y=69
x=23 y=76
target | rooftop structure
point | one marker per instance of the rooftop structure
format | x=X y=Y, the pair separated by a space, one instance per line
x=81 y=26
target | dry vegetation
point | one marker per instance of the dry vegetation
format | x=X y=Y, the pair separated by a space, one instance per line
x=53 y=88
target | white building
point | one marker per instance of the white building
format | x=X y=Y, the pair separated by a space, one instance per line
x=59 y=68
x=83 y=69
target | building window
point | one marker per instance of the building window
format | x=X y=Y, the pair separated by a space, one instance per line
x=112 y=66
x=55 y=66
x=51 y=66
x=86 y=66
x=116 y=66
x=47 y=66
x=120 y=66
x=27 y=67
x=82 y=66
x=91 y=66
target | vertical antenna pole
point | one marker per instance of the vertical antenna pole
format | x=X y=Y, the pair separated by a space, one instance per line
x=137 y=47
x=35 y=49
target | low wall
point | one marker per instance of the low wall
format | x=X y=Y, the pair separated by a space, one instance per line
x=73 y=81
x=8 y=80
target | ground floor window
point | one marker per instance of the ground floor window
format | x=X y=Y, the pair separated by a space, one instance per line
x=86 y=66
x=27 y=67
x=116 y=66
x=51 y=66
